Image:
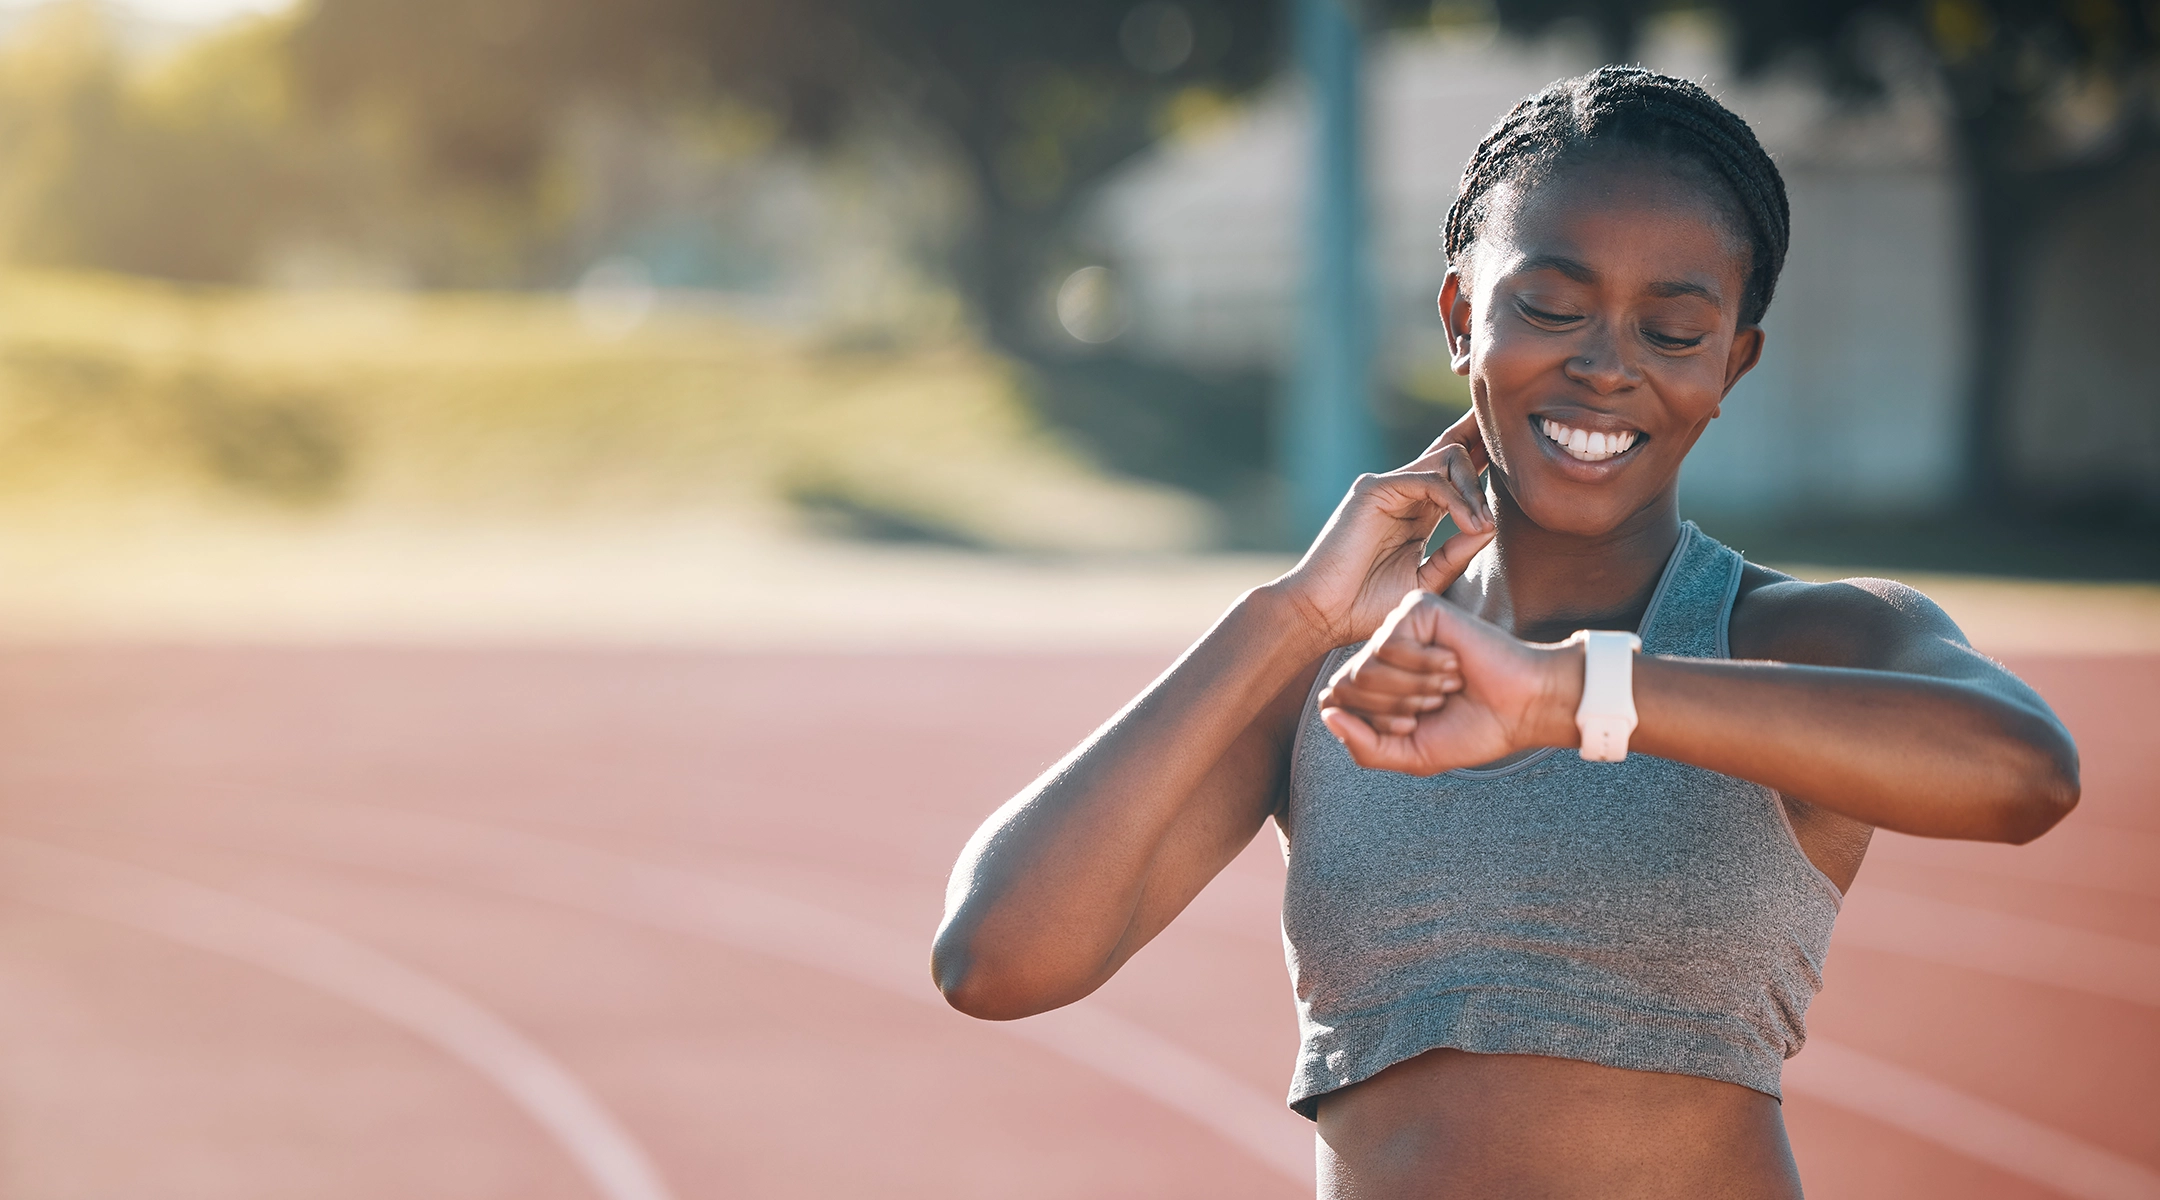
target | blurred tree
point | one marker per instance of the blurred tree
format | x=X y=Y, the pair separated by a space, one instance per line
x=197 y=164
x=170 y=173
x=2050 y=101
x=1034 y=100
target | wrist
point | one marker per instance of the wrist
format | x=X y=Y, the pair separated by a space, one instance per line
x=1553 y=717
x=1291 y=619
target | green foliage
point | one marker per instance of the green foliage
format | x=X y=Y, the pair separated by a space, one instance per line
x=120 y=394
x=1030 y=102
x=2032 y=81
x=175 y=172
x=211 y=165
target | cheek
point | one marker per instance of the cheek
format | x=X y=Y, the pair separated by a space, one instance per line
x=1509 y=365
x=1692 y=387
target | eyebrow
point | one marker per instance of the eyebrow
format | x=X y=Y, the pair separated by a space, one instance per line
x=1669 y=288
x=1581 y=272
x=1574 y=269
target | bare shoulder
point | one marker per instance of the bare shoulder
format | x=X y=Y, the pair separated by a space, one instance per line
x=1877 y=624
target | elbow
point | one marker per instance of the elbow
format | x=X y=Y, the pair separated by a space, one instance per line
x=971 y=985
x=1003 y=981
x=2046 y=793
x=964 y=987
x=978 y=998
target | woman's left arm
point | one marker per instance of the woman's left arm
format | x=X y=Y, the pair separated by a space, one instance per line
x=1869 y=703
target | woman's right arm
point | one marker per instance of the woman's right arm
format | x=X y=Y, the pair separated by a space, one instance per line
x=1072 y=876
x=1068 y=879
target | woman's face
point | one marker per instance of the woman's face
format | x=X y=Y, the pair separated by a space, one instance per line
x=1599 y=329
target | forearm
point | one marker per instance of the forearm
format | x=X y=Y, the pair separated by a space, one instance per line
x=1910 y=753
x=1044 y=900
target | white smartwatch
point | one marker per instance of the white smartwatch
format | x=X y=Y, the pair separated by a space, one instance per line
x=1606 y=715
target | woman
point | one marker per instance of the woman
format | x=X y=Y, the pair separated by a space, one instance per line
x=1521 y=972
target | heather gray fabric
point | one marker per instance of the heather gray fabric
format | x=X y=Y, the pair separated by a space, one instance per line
x=1643 y=914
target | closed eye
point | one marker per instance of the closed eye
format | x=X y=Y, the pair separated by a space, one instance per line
x=1544 y=317
x=1668 y=342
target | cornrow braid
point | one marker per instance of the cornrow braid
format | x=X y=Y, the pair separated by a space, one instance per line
x=1630 y=107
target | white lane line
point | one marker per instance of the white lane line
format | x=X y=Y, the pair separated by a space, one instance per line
x=224 y=924
x=1834 y=1074
x=1959 y=935
x=552 y=871
x=745 y=917
x=1966 y=1124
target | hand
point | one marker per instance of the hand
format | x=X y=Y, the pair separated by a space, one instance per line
x=1436 y=689
x=1373 y=548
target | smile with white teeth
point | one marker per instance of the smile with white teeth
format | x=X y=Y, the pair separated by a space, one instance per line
x=1585 y=446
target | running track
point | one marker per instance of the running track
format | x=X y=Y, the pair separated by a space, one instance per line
x=644 y=924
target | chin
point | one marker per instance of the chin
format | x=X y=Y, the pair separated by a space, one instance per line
x=1576 y=520
x=1574 y=509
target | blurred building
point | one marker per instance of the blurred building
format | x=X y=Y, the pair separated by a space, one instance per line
x=1858 y=405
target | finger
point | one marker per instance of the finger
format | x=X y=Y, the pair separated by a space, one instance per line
x=1444 y=566
x=1392 y=680
x=1371 y=705
x=1461 y=468
x=1404 y=650
x=1384 y=723
x=1401 y=642
x=1437 y=489
x=1367 y=748
x=1465 y=433
x=1455 y=463
x=1355 y=732
x=1385 y=678
x=1392 y=700
x=1371 y=702
x=1465 y=466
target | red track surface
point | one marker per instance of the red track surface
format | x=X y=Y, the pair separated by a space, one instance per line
x=482 y=920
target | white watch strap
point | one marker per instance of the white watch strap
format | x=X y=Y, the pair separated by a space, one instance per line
x=1606 y=715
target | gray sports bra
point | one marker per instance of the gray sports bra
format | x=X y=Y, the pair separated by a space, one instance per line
x=1644 y=914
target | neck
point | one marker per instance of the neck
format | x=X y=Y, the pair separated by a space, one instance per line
x=1544 y=585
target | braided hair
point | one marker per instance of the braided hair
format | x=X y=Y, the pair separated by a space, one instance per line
x=1630 y=108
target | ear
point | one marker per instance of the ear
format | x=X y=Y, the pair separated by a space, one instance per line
x=1455 y=314
x=1745 y=353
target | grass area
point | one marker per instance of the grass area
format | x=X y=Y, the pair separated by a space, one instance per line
x=121 y=396
x=127 y=403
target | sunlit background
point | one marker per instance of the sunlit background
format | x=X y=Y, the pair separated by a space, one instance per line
x=530 y=530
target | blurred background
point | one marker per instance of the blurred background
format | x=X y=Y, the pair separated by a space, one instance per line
x=530 y=530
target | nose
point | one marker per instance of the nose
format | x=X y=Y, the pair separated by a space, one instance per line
x=1601 y=363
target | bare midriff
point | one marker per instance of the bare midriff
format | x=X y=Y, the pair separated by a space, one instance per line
x=1448 y=1125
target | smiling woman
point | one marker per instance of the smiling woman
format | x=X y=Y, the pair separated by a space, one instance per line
x=1609 y=281
x=1521 y=972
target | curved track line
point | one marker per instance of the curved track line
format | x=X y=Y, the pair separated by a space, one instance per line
x=1966 y=1124
x=550 y=871
x=743 y=917
x=1959 y=935
x=224 y=924
x=672 y=898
